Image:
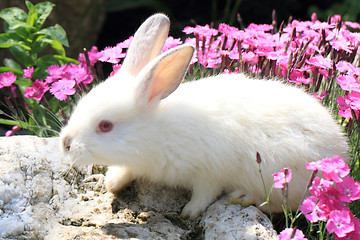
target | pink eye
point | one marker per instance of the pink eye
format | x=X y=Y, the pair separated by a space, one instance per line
x=105 y=126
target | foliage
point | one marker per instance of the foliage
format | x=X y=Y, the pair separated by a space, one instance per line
x=25 y=37
x=325 y=209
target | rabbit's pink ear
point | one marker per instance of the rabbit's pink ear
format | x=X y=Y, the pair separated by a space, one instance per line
x=147 y=43
x=164 y=74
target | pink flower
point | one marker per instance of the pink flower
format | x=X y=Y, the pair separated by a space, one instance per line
x=353 y=25
x=324 y=72
x=348 y=82
x=126 y=43
x=260 y=27
x=319 y=186
x=333 y=168
x=344 y=106
x=281 y=178
x=341 y=44
x=335 y=19
x=80 y=73
x=202 y=31
x=346 y=67
x=55 y=69
x=7 y=79
x=12 y=132
x=230 y=31
x=320 y=61
x=347 y=103
x=321 y=25
x=352 y=37
x=28 y=72
x=9 y=133
x=321 y=96
x=349 y=189
x=250 y=57
x=93 y=56
x=354 y=234
x=313 y=17
x=111 y=54
x=171 y=43
x=293 y=234
x=275 y=55
x=331 y=200
x=340 y=223
x=62 y=88
x=37 y=90
x=210 y=57
x=313 y=210
x=56 y=73
x=264 y=46
x=192 y=41
x=116 y=67
x=297 y=76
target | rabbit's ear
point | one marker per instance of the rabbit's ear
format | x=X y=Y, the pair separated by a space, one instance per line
x=147 y=43
x=164 y=74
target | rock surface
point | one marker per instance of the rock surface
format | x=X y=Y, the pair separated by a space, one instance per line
x=43 y=197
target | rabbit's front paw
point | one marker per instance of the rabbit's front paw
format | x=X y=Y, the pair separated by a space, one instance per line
x=239 y=197
x=117 y=178
x=202 y=196
x=192 y=210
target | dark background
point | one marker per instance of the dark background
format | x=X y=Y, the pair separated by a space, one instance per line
x=107 y=22
x=122 y=19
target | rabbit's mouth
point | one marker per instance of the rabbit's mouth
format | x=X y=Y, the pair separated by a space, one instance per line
x=66 y=144
x=74 y=150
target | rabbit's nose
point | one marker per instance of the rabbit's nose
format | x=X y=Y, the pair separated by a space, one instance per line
x=67 y=143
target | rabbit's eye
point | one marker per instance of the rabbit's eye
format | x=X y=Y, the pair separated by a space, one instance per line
x=105 y=126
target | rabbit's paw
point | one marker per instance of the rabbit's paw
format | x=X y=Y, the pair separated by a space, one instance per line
x=117 y=178
x=241 y=202
x=201 y=197
x=239 y=197
x=191 y=210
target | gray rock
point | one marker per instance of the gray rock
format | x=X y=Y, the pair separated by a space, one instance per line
x=42 y=196
x=229 y=221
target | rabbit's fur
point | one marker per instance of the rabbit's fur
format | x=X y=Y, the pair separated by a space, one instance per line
x=205 y=135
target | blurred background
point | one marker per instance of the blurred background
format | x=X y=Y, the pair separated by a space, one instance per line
x=107 y=22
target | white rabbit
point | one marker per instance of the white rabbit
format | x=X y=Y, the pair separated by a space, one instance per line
x=205 y=135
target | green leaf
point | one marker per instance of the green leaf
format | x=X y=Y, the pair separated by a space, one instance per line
x=18 y=24
x=39 y=43
x=13 y=15
x=8 y=62
x=8 y=122
x=40 y=72
x=32 y=15
x=56 y=32
x=30 y=6
x=8 y=69
x=58 y=47
x=44 y=40
x=43 y=9
x=48 y=60
x=24 y=31
x=22 y=55
x=22 y=92
x=23 y=82
x=8 y=40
